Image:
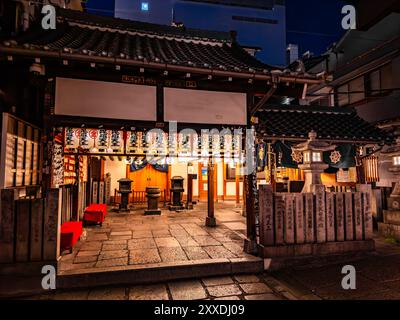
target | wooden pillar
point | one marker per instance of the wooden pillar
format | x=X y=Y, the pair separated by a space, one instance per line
x=210 y=221
x=237 y=182
x=249 y=189
x=189 y=200
x=250 y=242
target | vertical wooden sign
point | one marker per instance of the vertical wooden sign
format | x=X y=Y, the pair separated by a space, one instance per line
x=107 y=186
x=289 y=219
x=266 y=215
x=320 y=215
x=330 y=216
x=101 y=192
x=367 y=212
x=309 y=198
x=95 y=190
x=299 y=218
x=348 y=197
x=36 y=229
x=22 y=230
x=358 y=223
x=7 y=224
x=279 y=214
x=51 y=225
x=339 y=213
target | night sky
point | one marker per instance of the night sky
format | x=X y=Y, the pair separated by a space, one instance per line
x=312 y=24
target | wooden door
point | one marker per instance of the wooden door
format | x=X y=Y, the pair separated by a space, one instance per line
x=147 y=177
x=203 y=187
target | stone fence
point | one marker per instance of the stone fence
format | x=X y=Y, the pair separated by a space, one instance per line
x=29 y=228
x=319 y=223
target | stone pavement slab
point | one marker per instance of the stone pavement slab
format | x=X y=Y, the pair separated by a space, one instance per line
x=144 y=256
x=149 y=292
x=215 y=281
x=265 y=296
x=224 y=290
x=171 y=254
x=187 y=290
x=255 y=288
x=107 y=294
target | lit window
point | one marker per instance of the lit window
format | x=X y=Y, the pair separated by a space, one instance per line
x=396 y=161
x=316 y=157
x=307 y=157
x=145 y=6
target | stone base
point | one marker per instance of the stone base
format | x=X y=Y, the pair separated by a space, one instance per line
x=391 y=217
x=22 y=278
x=152 y=212
x=316 y=249
x=158 y=272
x=394 y=203
x=175 y=208
x=389 y=230
x=211 y=222
x=189 y=206
x=250 y=246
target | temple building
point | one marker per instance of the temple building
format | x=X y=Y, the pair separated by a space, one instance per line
x=104 y=114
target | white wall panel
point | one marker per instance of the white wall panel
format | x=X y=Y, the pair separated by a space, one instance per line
x=199 y=106
x=87 y=98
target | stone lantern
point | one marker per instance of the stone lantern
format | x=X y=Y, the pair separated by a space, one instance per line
x=390 y=227
x=394 y=153
x=312 y=155
x=124 y=190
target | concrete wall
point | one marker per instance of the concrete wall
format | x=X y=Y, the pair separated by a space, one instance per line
x=117 y=170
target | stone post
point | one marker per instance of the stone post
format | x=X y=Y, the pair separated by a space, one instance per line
x=250 y=245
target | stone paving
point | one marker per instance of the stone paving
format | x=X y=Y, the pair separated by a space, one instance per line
x=377 y=276
x=239 y=287
x=127 y=239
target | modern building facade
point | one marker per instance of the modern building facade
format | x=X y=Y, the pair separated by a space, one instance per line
x=364 y=66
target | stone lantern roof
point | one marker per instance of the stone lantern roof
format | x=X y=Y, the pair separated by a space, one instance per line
x=314 y=144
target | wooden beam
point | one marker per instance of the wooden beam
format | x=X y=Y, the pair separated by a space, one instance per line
x=263 y=100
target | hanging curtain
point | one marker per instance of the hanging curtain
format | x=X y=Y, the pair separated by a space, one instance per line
x=261 y=156
x=283 y=151
x=342 y=157
x=137 y=165
x=161 y=167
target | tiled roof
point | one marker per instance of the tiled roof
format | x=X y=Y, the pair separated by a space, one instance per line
x=79 y=33
x=149 y=28
x=335 y=124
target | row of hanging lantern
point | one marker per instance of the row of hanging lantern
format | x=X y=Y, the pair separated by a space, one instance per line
x=154 y=142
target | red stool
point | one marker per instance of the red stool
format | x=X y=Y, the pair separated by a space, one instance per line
x=95 y=213
x=70 y=234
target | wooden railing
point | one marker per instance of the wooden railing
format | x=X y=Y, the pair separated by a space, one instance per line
x=290 y=224
x=139 y=197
